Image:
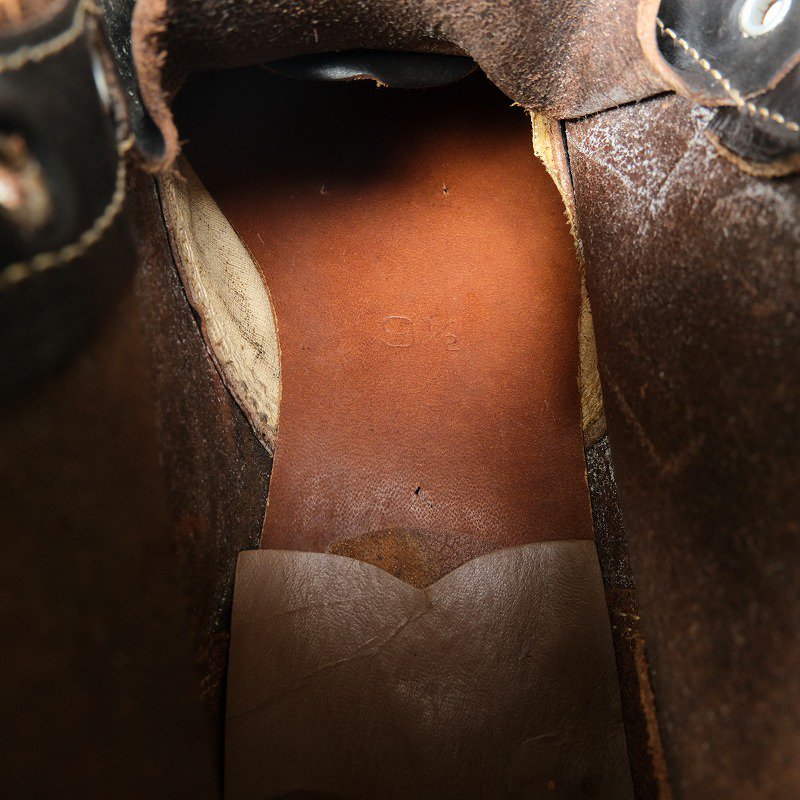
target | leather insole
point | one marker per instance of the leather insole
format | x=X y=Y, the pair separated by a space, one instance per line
x=495 y=683
x=426 y=292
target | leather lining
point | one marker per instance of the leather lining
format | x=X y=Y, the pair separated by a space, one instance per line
x=427 y=300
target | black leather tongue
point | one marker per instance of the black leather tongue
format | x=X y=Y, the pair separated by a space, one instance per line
x=402 y=70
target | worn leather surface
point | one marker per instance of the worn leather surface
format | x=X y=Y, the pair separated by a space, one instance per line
x=216 y=472
x=692 y=271
x=566 y=58
x=648 y=771
x=426 y=294
x=99 y=696
x=498 y=681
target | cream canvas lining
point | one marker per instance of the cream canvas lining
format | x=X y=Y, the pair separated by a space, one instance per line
x=548 y=146
x=226 y=289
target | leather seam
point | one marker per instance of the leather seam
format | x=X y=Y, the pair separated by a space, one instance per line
x=746 y=105
x=50 y=47
x=21 y=270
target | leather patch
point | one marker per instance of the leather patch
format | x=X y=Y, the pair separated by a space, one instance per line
x=497 y=681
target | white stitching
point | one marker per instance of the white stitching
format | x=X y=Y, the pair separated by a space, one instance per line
x=20 y=270
x=27 y=54
x=752 y=109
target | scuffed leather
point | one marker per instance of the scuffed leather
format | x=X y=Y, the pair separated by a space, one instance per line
x=496 y=682
x=692 y=268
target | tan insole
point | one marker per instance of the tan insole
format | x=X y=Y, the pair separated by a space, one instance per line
x=426 y=293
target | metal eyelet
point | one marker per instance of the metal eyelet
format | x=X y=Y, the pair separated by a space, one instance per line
x=758 y=17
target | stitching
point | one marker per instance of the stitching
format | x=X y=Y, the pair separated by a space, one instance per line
x=752 y=109
x=266 y=425
x=20 y=270
x=27 y=54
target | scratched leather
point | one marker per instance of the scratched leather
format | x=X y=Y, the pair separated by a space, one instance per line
x=692 y=268
x=498 y=681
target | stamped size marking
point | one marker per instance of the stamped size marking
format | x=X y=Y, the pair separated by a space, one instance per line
x=446 y=331
x=399 y=330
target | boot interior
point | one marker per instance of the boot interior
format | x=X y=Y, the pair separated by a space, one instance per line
x=307 y=475
x=423 y=615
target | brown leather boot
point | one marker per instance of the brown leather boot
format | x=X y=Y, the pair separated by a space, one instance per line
x=348 y=413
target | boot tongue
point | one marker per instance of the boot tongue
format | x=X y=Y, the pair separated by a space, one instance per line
x=401 y=70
